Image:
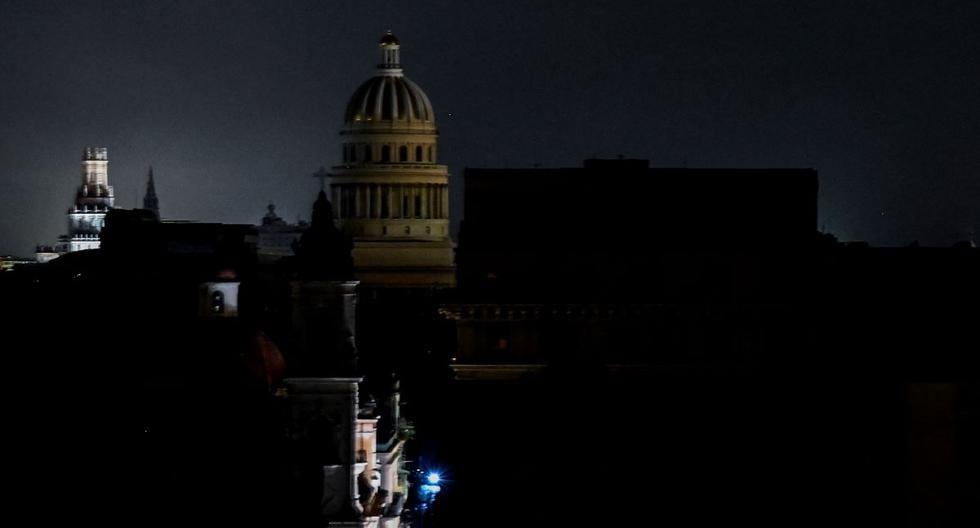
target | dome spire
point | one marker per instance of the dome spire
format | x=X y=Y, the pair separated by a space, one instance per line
x=390 y=55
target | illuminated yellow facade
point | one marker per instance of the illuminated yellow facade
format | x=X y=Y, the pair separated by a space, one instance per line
x=390 y=193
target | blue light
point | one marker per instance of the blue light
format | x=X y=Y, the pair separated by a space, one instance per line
x=433 y=478
x=431 y=489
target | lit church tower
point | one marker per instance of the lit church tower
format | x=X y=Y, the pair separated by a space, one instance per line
x=390 y=194
x=92 y=202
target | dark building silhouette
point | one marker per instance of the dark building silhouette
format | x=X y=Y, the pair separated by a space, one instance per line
x=234 y=382
x=687 y=337
x=556 y=263
x=323 y=252
x=626 y=345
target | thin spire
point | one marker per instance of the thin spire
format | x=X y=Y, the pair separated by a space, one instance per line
x=150 y=201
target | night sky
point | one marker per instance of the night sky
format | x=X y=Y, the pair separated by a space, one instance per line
x=235 y=104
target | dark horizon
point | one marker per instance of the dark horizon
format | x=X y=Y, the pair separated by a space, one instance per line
x=235 y=105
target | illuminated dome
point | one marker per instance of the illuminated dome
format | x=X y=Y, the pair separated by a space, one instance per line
x=389 y=97
x=389 y=192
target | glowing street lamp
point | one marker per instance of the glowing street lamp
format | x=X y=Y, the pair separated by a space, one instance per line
x=427 y=493
x=429 y=488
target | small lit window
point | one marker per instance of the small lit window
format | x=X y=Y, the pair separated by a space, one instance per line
x=217 y=302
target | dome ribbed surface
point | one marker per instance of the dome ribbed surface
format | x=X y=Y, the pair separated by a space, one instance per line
x=389 y=98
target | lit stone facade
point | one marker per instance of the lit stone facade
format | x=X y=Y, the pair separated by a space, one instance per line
x=92 y=202
x=390 y=194
x=276 y=237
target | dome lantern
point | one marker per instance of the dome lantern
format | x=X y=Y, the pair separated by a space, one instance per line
x=390 y=56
